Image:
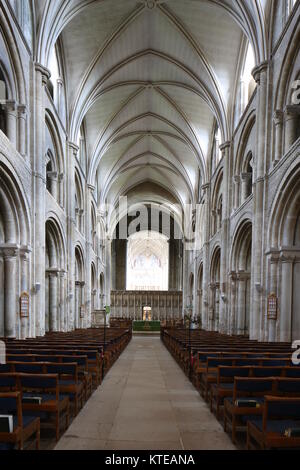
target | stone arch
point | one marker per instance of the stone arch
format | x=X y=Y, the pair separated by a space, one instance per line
x=284 y=257
x=240 y=261
x=14 y=266
x=55 y=283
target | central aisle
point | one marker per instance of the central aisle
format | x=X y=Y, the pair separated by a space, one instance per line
x=145 y=402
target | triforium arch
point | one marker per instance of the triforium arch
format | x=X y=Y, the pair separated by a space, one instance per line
x=240 y=272
x=214 y=289
x=217 y=204
x=284 y=259
x=55 y=282
x=243 y=167
x=14 y=249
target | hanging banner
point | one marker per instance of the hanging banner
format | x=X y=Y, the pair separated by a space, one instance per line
x=24 y=305
x=82 y=311
x=272 y=307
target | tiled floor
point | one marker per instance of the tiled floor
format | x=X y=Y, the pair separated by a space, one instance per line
x=145 y=402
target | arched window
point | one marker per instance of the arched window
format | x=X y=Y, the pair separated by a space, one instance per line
x=52 y=84
x=247 y=81
x=23 y=14
x=51 y=174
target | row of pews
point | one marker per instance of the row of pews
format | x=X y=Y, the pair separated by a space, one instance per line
x=44 y=381
x=253 y=387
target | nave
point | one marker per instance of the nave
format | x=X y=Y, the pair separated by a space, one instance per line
x=145 y=402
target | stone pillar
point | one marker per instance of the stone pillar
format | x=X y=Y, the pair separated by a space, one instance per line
x=241 y=305
x=236 y=180
x=245 y=177
x=225 y=149
x=39 y=184
x=10 y=264
x=232 y=320
x=77 y=303
x=22 y=130
x=62 y=297
x=286 y=299
x=260 y=75
x=24 y=262
x=292 y=113
x=278 y=123
x=60 y=188
x=60 y=84
x=53 y=299
x=11 y=122
x=70 y=203
x=273 y=289
x=205 y=297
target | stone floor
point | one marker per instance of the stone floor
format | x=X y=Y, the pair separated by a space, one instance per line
x=145 y=402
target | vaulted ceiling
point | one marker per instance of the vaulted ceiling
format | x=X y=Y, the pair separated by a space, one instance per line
x=149 y=80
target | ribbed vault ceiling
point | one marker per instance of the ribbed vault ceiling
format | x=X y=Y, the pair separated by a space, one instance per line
x=148 y=80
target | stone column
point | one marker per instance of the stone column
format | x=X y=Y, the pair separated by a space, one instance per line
x=292 y=114
x=225 y=149
x=11 y=122
x=245 y=177
x=77 y=304
x=24 y=262
x=232 y=319
x=205 y=297
x=70 y=204
x=286 y=299
x=273 y=289
x=60 y=84
x=278 y=123
x=236 y=180
x=241 y=304
x=61 y=190
x=39 y=185
x=62 y=296
x=22 y=130
x=260 y=75
x=53 y=300
x=10 y=264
